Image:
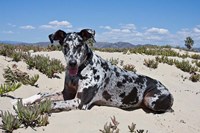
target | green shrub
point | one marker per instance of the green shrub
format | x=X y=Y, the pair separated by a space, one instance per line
x=114 y=61
x=30 y=81
x=45 y=106
x=151 y=63
x=45 y=65
x=30 y=115
x=10 y=122
x=185 y=66
x=195 y=56
x=195 y=77
x=5 y=88
x=164 y=59
x=129 y=67
x=112 y=127
x=16 y=75
x=7 y=50
x=197 y=63
x=17 y=56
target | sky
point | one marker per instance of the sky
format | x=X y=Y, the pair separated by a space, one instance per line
x=160 y=22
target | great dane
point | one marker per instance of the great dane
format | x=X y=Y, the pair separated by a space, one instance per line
x=90 y=80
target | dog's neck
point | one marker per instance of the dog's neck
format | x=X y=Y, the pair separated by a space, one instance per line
x=87 y=61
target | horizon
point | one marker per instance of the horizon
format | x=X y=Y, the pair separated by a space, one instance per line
x=137 y=22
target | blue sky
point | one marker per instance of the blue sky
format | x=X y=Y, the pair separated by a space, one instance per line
x=137 y=21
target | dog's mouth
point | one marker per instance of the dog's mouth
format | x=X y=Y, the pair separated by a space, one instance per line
x=73 y=71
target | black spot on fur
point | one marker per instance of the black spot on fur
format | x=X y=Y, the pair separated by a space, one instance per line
x=122 y=95
x=139 y=80
x=94 y=70
x=163 y=103
x=119 y=84
x=124 y=81
x=106 y=95
x=116 y=72
x=97 y=77
x=131 y=98
x=127 y=78
x=107 y=80
x=105 y=66
x=105 y=75
x=88 y=94
x=152 y=86
x=83 y=77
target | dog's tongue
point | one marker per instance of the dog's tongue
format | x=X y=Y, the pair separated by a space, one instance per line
x=73 y=71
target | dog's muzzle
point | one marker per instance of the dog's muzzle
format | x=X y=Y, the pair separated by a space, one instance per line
x=72 y=68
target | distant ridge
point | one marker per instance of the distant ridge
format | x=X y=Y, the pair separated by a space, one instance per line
x=96 y=45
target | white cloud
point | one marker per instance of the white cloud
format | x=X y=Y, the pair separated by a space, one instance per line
x=129 y=26
x=157 y=30
x=27 y=27
x=196 y=29
x=106 y=27
x=8 y=32
x=143 y=35
x=12 y=25
x=57 y=24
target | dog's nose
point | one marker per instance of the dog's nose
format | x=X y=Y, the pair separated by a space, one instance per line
x=72 y=63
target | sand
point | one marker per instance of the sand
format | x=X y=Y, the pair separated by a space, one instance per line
x=185 y=117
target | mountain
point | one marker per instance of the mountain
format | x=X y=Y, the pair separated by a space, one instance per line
x=113 y=45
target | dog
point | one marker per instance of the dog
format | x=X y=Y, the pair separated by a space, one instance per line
x=90 y=80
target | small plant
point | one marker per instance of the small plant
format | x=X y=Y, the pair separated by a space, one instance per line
x=113 y=61
x=45 y=106
x=10 y=122
x=185 y=66
x=111 y=127
x=30 y=81
x=5 y=88
x=17 y=56
x=151 y=63
x=132 y=127
x=195 y=77
x=16 y=75
x=121 y=62
x=30 y=115
x=129 y=67
x=45 y=65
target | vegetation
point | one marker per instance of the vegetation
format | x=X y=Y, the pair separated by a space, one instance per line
x=195 y=77
x=151 y=63
x=183 y=65
x=114 y=61
x=30 y=115
x=112 y=127
x=5 y=88
x=16 y=75
x=129 y=67
x=10 y=122
x=45 y=65
x=189 y=42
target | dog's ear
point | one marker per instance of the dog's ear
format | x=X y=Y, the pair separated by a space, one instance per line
x=87 y=34
x=58 y=35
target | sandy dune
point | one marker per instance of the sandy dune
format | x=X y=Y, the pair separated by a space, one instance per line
x=185 y=117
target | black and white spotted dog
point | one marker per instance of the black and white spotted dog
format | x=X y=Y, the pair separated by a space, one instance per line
x=90 y=80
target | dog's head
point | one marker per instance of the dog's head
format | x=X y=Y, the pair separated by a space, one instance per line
x=74 y=47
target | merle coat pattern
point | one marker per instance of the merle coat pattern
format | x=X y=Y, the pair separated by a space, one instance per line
x=90 y=80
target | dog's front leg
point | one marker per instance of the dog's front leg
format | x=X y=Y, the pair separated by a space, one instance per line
x=67 y=105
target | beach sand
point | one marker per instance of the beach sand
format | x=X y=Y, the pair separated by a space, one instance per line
x=185 y=117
